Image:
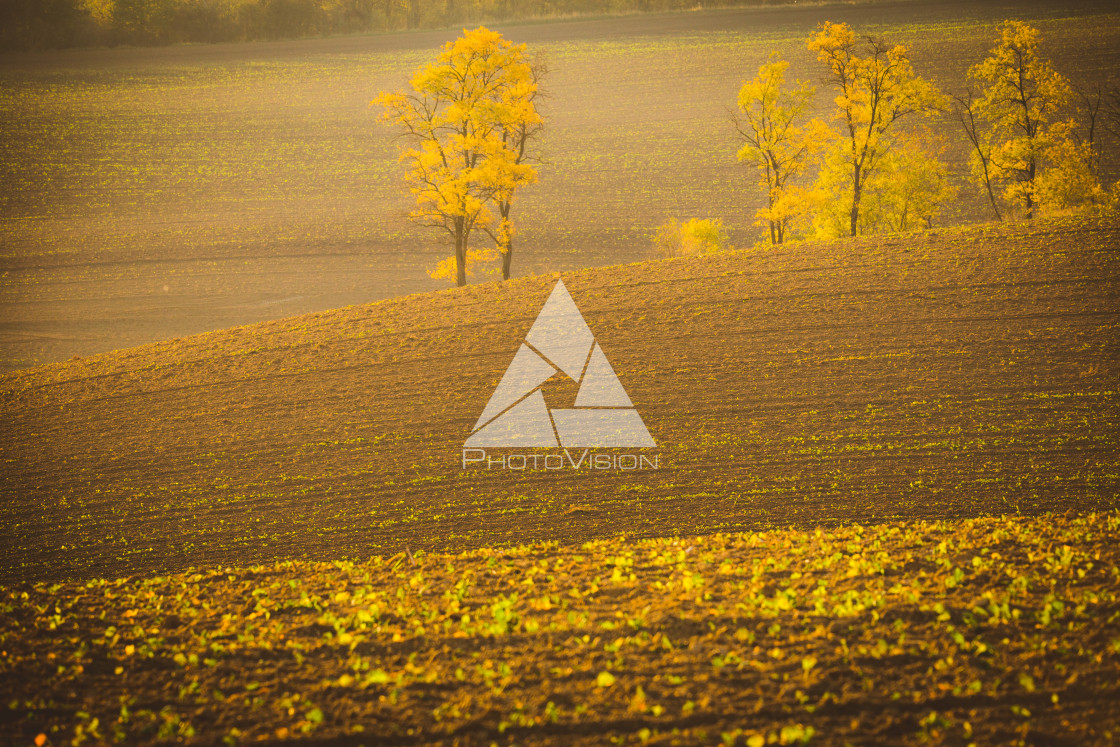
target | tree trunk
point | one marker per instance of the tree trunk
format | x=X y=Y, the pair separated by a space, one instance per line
x=460 y=253
x=1031 y=130
x=1030 y=189
x=775 y=227
x=972 y=130
x=507 y=250
x=991 y=194
x=856 y=189
x=507 y=258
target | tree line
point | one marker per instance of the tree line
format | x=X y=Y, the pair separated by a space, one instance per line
x=470 y=124
x=50 y=24
x=1034 y=138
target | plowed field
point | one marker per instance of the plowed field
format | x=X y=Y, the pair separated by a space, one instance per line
x=940 y=375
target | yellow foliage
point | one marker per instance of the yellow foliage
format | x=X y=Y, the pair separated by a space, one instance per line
x=775 y=144
x=100 y=10
x=457 y=119
x=1070 y=182
x=1021 y=94
x=692 y=238
x=877 y=87
x=905 y=192
x=446 y=268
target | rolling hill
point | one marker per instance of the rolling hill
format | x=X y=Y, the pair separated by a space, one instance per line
x=157 y=193
x=950 y=373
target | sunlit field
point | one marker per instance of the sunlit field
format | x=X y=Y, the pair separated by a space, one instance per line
x=235 y=503
x=902 y=385
x=987 y=631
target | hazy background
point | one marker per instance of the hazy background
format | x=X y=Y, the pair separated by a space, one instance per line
x=153 y=193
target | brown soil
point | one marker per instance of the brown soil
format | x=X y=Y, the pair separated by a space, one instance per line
x=938 y=375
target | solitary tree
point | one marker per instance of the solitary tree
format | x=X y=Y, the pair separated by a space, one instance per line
x=455 y=120
x=775 y=142
x=877 y=88
x=1020 y=96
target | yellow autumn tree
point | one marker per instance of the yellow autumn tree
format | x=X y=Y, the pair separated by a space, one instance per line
x=906 y=192
x=877 y=88
x=456 y=121
x=912 y=187
x=1070 y=181
x=1020 y=98
x=981 y=140
x=519 y=134
x=775 y=142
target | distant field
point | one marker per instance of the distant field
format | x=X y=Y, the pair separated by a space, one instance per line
x=147 y=194
x=947 y=374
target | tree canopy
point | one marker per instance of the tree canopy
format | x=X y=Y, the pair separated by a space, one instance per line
x=1021 y=96
x=877 y=88
x=775 y=142
x=457 y=121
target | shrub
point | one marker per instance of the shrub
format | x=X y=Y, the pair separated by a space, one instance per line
x=693 y=238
